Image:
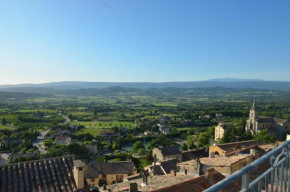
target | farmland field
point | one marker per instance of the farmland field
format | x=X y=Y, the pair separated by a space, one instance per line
x=104 y=124
x=10 y=117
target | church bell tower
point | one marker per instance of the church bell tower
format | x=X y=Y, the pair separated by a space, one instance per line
x=253 y=117
x=254 y=112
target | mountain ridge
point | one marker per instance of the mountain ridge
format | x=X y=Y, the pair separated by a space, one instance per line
x=225 y=82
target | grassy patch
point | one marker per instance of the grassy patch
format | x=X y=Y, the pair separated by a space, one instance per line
x=165 y=104
x=4 y=127
x=81 y=113
x=92 y=131
x=182 y=129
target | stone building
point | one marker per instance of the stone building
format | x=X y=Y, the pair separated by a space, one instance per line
x=229 y=149
x=167 y=153
x=224 y=165
x=109 y=172
x=220 y=131
x=275 y=126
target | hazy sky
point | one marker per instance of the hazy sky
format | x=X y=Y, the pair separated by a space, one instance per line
x=143 y=40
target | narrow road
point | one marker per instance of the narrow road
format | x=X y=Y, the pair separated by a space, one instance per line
x=67 y=120
x=38 y=142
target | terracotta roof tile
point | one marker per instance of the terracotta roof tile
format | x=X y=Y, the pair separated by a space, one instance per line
x=217 y=161
x=54 y=174
x=121 y=167
x=189 y=155
x=194 y=185
x=173 y=150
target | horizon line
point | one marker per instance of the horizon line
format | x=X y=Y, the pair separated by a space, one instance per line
x=235 y=80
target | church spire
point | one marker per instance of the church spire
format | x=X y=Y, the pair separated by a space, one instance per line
x=254 y=104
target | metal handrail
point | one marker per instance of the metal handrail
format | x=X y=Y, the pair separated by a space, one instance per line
x=245 y=170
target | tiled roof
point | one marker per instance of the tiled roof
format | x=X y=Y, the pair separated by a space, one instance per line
x=154 y=183
x=266 y=120
x=189 y=155
x=53 y=174
x=217 y=161
x=230 y=147
x=194 y=185
x=164 y=167
x=173 y=150
x=121 y=167
x=247 y=150
x=132 y=177
x=169 y=165
x=216 y=177
x=158 y=170
x=256 y=172
x=267 y=147
x=279 y=121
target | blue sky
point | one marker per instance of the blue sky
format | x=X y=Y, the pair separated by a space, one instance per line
x=143 y=40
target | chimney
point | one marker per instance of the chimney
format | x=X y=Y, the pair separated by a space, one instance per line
x=79 y=173
x=154 y=167
x=144 y=178
x=173 y=173
x=198 y=167
x=253 y=152
x=133 y=187
x=185 y=171
x=209 y=173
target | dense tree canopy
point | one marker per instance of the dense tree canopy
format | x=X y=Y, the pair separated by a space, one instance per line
x=264 y=136
x=183 y=147
x=77 y=149
x=204 y=138
x=161 y=141
x=141 y=152
x=137 y=145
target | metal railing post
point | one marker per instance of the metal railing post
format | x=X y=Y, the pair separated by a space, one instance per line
x=245 y=182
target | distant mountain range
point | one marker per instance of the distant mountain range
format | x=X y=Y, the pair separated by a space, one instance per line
x=76 y=85
x=235 y=80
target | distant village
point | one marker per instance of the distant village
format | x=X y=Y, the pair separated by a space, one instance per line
x=174 y=167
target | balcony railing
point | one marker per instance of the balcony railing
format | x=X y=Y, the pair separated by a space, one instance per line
x=276 y=178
